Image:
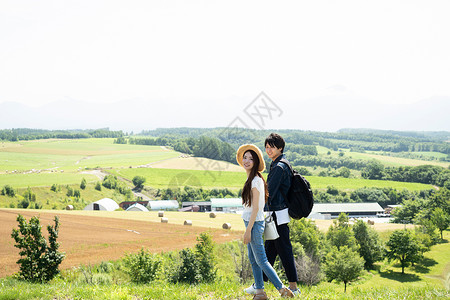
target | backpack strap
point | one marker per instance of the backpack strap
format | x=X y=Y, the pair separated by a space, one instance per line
x=283 y=160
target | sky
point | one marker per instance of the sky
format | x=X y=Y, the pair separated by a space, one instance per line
x=204 y=62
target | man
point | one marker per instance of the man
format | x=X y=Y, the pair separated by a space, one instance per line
x=279 y=181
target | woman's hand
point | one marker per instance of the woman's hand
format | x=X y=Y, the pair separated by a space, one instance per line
x=247 y=236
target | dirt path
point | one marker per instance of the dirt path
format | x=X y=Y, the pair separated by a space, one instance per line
x=94 y=239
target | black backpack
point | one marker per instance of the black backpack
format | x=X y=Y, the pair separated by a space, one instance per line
x=299 y=198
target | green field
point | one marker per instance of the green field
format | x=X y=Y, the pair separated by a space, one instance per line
x=428 y=280
x=388 y=161
x=43 y=179
x=163 y=178
x=77 y=154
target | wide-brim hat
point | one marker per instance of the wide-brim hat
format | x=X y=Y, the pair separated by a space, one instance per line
x=240 y=155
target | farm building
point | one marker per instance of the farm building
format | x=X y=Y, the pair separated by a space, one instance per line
x=125 y=204
x=354 y=210
x=103 y=204
x=137 y=207
x=163 y=205
x=203 y=206
x=226 y=205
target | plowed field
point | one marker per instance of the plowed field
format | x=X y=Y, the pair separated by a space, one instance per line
x=90 y=240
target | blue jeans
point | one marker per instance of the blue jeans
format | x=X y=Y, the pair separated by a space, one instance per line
x=258 y=258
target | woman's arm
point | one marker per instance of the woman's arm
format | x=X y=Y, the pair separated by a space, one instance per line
x=255 y=208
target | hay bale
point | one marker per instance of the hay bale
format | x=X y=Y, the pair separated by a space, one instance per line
x=188 y=222
x=212 y=215
x=69 y=207
x=160 y=214
x=164 y=220
x=226 y=226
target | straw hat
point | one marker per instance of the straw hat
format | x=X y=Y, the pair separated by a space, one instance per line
x=240 y=155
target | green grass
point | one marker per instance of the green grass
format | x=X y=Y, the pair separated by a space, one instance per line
x=59 y=199
x=163 y=178
x=355 y=183
x=387 y=283
x=43 y=179
x=75 y=154
x=387 y=161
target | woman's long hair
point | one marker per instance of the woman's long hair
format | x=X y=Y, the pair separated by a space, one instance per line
x=247 y=190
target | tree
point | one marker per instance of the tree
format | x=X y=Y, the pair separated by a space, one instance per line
x=8 y=191
x=440 y=219
x=204 y=251
x=98 y=186
x=139 y=181
x=404 y=247
x=370 y=246
x=305 y=232
x=374 y=170
x=343 y=264
x=340 y=233
x=83 y=184
x=39 y=260
x=29 y=196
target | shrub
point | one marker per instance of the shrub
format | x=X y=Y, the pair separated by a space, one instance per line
x=29 y=195
x=142 y=267
x=39 y=260
x=188 y=270
x=242 y=264
x=139 y=181
x=197 y=266
x=83 y=184
x=98 y=186
x=206 y=261
x=308 y=269
x=8 y=191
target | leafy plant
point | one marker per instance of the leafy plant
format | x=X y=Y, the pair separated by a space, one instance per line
x=39 y=260
x=142 y=267
x=344 y=265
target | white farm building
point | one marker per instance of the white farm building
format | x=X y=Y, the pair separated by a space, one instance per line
x=137 y=207
x=163 y=205
x=229 y=205
x=354 y=210
x=103 y=204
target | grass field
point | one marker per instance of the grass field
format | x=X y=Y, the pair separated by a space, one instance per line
x=163 y=178
x=388 y=161
x=425 y=281
x=43 y=179
x=75 y=154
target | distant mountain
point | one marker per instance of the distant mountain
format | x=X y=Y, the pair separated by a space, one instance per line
x=318 y=114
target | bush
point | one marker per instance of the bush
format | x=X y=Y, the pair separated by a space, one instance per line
x=98 y=186
x=29 y=195
x=308 y=269
x=83 y=184
x=142 y=267
x=8 y=191
x=188 y=270
x=39 y=260
x=139 y=181
x=197 y=266
x=204 y=253
x=242 y=264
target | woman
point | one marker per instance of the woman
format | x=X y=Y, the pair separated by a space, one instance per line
x=254 y=196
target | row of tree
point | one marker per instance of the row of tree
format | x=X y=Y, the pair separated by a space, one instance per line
x=19 y=134
x=427 y=174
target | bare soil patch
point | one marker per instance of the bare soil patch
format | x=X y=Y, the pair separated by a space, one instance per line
x=90 y=240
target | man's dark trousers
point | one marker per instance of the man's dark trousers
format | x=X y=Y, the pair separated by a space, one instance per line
x=282 y=246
